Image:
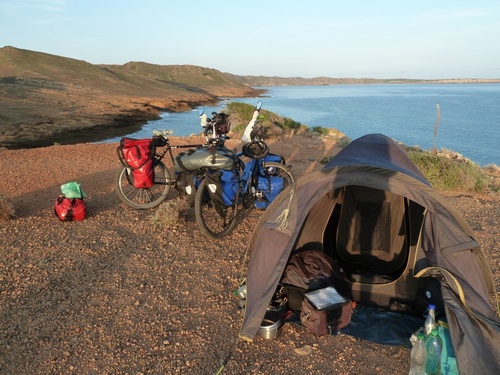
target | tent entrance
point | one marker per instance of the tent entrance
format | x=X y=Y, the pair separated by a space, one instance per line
x=373 y=235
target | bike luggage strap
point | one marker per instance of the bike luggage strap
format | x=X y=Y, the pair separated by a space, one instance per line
x=181 y=164
x=121 y=157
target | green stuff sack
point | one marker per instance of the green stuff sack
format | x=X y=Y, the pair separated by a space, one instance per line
x=69 y=205
x=72 y=190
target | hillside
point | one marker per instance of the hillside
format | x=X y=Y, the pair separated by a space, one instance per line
x=46 y=99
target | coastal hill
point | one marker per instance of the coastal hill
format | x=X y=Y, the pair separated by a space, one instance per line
x=256 y=81
x=47 y=99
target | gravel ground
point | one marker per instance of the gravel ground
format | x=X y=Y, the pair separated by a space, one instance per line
x=117 y=294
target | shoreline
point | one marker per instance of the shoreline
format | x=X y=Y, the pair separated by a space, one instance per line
x=89 y=128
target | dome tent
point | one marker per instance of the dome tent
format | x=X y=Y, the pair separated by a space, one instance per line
x=371 y=209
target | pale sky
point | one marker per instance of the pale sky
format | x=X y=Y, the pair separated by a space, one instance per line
x=364 y=38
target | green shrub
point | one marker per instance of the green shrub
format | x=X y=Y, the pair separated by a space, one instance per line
x=289 y=124
x=321 y=130
x=326 y=159
x=241 y=110
x=241 y=114
x=343 y=141
x=449 y=174
x=493 y=173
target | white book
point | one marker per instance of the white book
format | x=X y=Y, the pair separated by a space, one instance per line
x=326 y=298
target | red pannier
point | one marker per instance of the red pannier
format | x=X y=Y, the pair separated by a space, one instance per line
x=138 y=154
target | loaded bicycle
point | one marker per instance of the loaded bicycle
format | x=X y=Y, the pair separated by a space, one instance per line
x=225 y=193
x=145 y=182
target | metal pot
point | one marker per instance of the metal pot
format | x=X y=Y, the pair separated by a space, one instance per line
x=270 y=329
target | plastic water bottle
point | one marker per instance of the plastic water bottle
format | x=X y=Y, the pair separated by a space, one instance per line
x=434 y=347
x=430 y=321
x=418 y=356
x=241 y=291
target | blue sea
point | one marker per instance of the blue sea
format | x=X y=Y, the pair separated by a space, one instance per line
x=469 y=114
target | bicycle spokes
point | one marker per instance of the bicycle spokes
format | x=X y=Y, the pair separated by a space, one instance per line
x=144 y=198
x=214 y=218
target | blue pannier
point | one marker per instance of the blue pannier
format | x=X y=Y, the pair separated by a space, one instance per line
x=275 y=158
x=230 y=181
x=223 y=186
x=268 y=188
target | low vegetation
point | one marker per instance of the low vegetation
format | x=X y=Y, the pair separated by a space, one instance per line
x=6 y=209
x=321 y=130
x=446 y=172
x=167 y=214
x=274 y=124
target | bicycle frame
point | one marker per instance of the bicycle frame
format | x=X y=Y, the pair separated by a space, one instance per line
x=217 y=217
x=248 y=179
x=154 y=194
x=169 y=147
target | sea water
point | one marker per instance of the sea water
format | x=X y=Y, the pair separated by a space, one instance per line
x=466 y=117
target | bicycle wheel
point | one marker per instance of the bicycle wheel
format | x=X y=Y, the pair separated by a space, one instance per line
x=215 y=219
x=142 y=199
x=272 y=168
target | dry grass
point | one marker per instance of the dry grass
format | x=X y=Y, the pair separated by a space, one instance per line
x=167 y=214
x=7 y=210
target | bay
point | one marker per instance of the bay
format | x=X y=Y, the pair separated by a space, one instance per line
x=469 y=120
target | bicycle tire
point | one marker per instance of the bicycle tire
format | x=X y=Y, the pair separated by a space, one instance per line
x=275 y=169
x=143 y=199
x=214 y=219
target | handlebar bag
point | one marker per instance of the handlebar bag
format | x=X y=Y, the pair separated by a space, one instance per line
x=222 y=124
x=138 y=154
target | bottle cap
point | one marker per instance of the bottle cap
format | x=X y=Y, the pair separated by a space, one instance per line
x=434 y=332
x=431 y=306
x=420 y=336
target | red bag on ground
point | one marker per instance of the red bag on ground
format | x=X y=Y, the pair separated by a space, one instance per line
x=138 y=155
x=69 y=209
